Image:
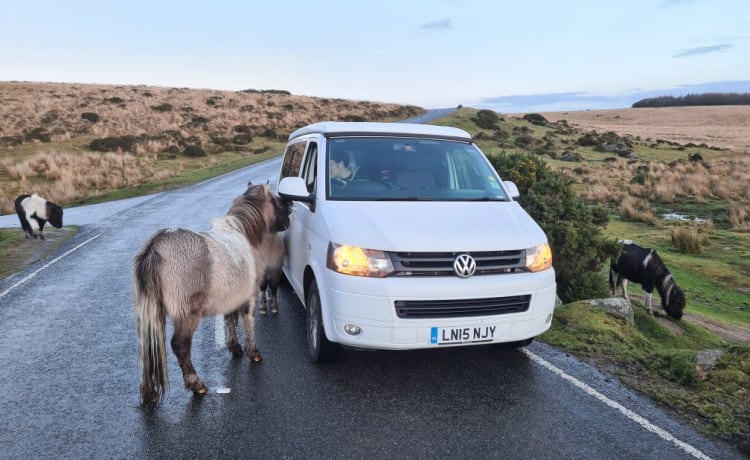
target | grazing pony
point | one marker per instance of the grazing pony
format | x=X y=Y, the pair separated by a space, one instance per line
x=272 y=250
x=34 y=211
x=187 y=275
x=645 y=267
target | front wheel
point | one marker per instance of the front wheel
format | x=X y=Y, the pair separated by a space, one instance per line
x=319 y=348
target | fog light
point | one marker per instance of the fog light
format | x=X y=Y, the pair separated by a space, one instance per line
x=549 y=318
x=352 y=329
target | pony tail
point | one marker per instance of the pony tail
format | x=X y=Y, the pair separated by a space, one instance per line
x=151 y=321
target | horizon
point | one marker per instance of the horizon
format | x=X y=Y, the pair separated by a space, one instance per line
x=498 y=56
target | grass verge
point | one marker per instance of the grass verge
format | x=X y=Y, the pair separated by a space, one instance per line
x=656 y=357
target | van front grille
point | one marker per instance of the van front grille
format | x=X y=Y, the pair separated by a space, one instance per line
x=441 y=263
x=462 y=307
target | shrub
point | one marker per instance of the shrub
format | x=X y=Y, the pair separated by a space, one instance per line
x=524 y=141
x=353 y=118
x=39 y=134
x=91 y=116
x=113 y=144
x=194 y=150
x=487 y=119
x=536 y=119
x=243 y=129
x=11 y=141
x=639 y=179
x=574 y=229
x=242 y=139
x=588 y=140
x=165 y=107
x=114 y=100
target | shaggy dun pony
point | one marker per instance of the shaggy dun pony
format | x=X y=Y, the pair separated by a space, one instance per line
x=34 y=211
x=645 y=267
x=187 y=275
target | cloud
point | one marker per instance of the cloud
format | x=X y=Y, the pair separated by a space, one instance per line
x=443 y=24
x=702 y=50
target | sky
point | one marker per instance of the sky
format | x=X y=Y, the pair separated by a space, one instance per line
x=507 y=56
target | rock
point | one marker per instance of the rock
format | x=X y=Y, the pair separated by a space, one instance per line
x=571 y=156
x=706 y=360
x=616 y=306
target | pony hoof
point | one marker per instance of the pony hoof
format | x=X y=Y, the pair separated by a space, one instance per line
x=201 y=391
x=256 y=358
x=263 y=312
x=275 y=311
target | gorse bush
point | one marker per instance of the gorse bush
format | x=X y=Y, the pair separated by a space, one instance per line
x=574 y=228
x=93 y=117
x=487 y=119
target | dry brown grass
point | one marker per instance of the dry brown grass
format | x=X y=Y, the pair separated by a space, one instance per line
x=717 y=126
x=46 y=130
x=726 y=178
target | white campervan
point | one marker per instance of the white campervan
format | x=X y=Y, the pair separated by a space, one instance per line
x=403 y=236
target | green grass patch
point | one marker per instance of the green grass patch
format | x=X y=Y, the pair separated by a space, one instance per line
x=657 y=357
x=18 y=252
x=10 y=238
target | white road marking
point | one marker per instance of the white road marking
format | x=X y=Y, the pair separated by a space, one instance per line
x=55 y=260
x=615 y=405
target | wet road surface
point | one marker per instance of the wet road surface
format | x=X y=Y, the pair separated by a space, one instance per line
x=69 y=376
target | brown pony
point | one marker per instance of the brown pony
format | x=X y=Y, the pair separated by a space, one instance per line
x=272 y=250
x=187 y=275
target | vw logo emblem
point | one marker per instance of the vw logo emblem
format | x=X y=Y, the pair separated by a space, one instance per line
x=464 y=265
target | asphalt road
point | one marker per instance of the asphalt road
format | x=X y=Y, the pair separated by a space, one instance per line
x=69 y=376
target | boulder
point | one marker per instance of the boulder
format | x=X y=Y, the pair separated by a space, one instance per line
x=616 y=306
x=705 y=361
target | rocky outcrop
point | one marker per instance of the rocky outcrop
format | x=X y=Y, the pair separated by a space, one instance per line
x=616 y=306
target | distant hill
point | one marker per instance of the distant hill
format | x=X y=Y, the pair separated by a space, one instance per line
x=169 y=117
x=695 y=99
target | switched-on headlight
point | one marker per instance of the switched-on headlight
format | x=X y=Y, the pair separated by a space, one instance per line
x=539 y=258
x=353 y=260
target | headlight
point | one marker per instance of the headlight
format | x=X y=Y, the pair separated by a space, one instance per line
x=353 y=260
x=539 y=258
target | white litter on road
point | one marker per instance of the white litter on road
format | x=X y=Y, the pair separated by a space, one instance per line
x=223 y=391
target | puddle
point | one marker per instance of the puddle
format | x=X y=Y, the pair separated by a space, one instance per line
x=681 y=217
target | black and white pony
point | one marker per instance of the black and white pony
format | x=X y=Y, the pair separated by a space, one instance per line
x=645 y=267
x=186 y=275
x=34 y=211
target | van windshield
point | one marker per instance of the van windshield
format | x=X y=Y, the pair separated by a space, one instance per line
x=407 y=169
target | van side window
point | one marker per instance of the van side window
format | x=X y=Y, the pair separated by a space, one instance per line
x=310 y=170
x=293 y=159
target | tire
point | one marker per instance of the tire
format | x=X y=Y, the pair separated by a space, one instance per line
x=319 y=348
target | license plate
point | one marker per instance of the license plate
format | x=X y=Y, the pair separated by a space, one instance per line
x=467 y=334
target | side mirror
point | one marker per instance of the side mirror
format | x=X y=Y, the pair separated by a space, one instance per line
x=512 y=189
x=294 y=189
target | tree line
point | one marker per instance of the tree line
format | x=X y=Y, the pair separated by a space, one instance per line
x=695 y=99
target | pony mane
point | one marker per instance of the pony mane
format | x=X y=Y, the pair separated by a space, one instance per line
x=247 y=213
